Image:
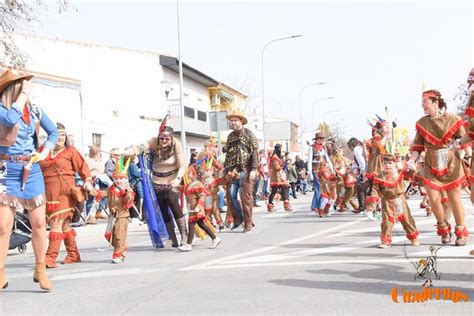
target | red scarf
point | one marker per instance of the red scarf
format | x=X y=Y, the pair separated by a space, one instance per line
x=26 y=114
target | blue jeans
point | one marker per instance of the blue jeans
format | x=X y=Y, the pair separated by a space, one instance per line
x=255 y=191
x=234 y=192
x=221 y=196
x=265 y=186
x=316 y=202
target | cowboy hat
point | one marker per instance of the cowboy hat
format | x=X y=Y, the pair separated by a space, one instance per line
x=10 y=76
x=319 y=135
x=239 y=114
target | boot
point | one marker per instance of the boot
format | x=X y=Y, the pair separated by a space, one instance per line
x=73 y=255
x=183 y=229
x=172 y=234
x=270 y=208
x=444 y=230
x=326 y=209
x=287 y=206
x=40 y=276
x=461 y=233
x=3 y=279
x=55 y=240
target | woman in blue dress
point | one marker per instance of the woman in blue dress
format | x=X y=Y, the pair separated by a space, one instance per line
x=19 y=128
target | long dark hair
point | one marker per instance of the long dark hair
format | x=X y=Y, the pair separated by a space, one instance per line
x=277 y=151
x=441 y=103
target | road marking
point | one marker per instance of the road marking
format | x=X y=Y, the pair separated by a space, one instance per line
x=95 y=274
x=268 y=248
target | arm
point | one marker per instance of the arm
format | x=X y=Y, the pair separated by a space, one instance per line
x=358 y=156
x=180 y=164
x=80 y=166
x=417 y=148
x=50 y=128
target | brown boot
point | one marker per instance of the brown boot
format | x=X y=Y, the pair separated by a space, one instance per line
x=172 y=235
x=444 y=230
x=55 y=240
x=73 y=255
x=40 y=276
x=461 y=233
x=3 y=279
x=287 y=206
x=270 y=208
x=183 y=229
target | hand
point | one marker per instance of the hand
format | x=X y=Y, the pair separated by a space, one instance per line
x=88 y=186
x=38 y=156
x=455 y=145
x=252 y=175
x=411 y=165
x=176 y=182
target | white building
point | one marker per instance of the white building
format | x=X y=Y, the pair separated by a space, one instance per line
x=114 y=97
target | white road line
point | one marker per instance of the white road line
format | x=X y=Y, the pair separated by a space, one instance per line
x=326 y=262
x=95 y=274
x=268 y=248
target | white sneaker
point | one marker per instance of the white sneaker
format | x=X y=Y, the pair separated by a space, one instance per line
x=370 y=215
x=215 y=243
x=135 y=220
x=185 y=247
x=117 y=260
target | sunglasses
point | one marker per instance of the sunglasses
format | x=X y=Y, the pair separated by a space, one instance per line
x=164 y=138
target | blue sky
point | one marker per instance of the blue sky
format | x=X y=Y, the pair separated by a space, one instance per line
x=371 y=54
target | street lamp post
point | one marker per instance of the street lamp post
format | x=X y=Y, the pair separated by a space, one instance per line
x=263 y=85
x=181 y=105
x=313 y=105
x=301 y=111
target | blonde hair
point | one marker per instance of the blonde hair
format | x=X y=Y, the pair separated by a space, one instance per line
x=11 y=93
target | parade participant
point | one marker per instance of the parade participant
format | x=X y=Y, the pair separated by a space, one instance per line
x=96 y=168
x=19 y=131
x=62 y=195
x=469 y=137
x=348 y=183
x=379 y=145
x=207 y=160
x=168 y=170
x=360 y=170
x=120 y=199
x=390 y=186
x=242 y=157
x=195 y=196
x=278 y=181
x=323 y=175
x=443 y=170
x=134 y=179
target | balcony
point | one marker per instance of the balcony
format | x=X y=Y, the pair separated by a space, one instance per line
x=195 y=121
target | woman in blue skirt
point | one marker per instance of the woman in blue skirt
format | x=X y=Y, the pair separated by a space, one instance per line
x=20 y=122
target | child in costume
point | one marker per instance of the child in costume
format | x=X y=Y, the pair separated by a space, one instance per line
x=390 y=186
x=120 y=199
x=196 y=195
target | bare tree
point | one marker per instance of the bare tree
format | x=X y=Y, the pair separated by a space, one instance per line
x=461 y=99
x=18 y=16
x=248 y=88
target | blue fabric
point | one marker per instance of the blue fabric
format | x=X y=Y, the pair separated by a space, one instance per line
x=156 y=226
x=134 y=178
x=316 y=202
x=221 y=196
x=24 y=145
x=234 y=193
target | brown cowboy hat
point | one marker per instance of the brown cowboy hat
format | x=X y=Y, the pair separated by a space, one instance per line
x=10 y=76
x=319 y=135
x=239 y=114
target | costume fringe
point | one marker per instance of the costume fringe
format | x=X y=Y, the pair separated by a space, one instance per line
x=469 y=112
x=371 y=199
x=444 y=200
x=196 y=218
x=445 y=187
x=435 y=140
x=390 y=184
x=52 y=206
x=70 y=234
x=466 y=145
x=386 y=239
x=55 y=236
x=443 y=229
x=16 y=202
x=439 y=173
x=412 y=236
x=275 y=184
x=471 y=134
x=418 y=148
x=461 y=231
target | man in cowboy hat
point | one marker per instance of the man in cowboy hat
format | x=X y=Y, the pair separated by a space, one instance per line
x=241 y=161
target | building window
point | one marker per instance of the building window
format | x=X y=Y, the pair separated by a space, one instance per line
x=189 y=112
x=202 y=116
x=97 y=140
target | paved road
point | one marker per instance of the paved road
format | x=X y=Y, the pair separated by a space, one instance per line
x=289 y=264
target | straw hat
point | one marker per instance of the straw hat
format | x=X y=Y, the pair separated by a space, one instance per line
x=239 y=114
x=10 y=76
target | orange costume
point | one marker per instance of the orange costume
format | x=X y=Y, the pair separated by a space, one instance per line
x=58 y=172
